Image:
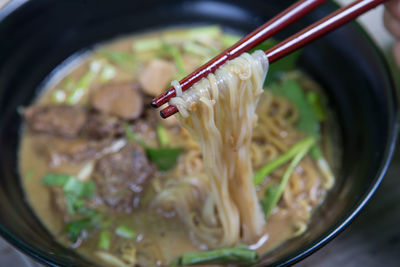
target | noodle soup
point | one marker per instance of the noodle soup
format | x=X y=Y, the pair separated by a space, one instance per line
x=112 y=180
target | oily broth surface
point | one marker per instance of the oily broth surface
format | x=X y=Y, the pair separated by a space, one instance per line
x=160 y=239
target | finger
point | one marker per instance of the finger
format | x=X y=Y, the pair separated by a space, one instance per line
x=393 y=7
x=392 y=24
x=396 y=52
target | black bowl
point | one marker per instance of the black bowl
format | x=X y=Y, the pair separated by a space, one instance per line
x=37 y=36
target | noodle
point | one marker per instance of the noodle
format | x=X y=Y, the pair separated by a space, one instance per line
x=222 y=115
x=219 y=112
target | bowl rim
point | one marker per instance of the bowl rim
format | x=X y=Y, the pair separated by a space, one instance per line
x=325 y=237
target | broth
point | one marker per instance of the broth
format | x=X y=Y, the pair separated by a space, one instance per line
x=126 y=226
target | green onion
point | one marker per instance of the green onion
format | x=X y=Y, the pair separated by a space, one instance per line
x=68 y=84
x=238 y=255
x=125 y=60
x=315 y=100
x=70 y=184
x=308 y=122
x=311 y=111
x=131 y=136
x=73 y=186
x=125 y=232
x=75 y=228
x=316 y=152
x=81 y=87
x=162 y=135
x=191 y=47
x=72 y=203
x=104 y=240
x=274 y=192
x=174 y=52
x=78 y=188
x=58 y=96
x=203 y=34
x=108 y=73
x=145 y=45
x=52 y=179
x=74 y=193
x=164 y=158
x=260 y=175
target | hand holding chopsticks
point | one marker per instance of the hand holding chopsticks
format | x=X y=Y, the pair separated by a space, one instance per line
x=289 y=45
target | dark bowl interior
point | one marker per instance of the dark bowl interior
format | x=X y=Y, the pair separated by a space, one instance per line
x=39 y=35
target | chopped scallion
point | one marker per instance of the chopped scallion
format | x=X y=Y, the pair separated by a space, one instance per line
x=125 y=60
x=237 y=255
x=174 y=52
x=203 y=34
x=131 y=136
x=108 y=73
x=125 y=232
x=70 y=184
x=164 y=158
x=274 y=192
x=58 y=96
x=315 y=100
x=104 y=240
x=260 y=175
x=162 y=135
x=75 y=228
x=81 y=87
x=53 y=179
x=308 y=122
x=145 y=45
x=78 y=188
x=193 y=48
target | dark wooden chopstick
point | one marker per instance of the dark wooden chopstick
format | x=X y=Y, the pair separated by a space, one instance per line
x=320 y=28
x=262 y=33
x=307 y=35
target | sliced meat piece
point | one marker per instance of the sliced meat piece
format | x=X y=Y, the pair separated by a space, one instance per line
x=156 y=76
x=57 y=120
x=121 y=176
x=100 y=125
x=123 y=100
x=58 y=151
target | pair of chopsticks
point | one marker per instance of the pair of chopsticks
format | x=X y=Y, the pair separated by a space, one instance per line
x=289 y=45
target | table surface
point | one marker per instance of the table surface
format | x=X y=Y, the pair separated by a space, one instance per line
x=373 y=239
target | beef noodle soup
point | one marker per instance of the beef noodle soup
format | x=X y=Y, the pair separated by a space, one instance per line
x=238 y=172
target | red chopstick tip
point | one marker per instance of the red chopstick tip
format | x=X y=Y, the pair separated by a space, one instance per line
x=154 y=104
x=163 y=115
x=168 y=111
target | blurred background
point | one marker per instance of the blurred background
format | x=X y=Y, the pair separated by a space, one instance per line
x=373 y=239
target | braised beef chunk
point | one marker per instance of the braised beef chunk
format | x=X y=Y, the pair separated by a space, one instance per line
x=100 y=125
x=73 y=151
x=123 y=100
x=121 y=176
x=156 y=76
x=57 y=120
